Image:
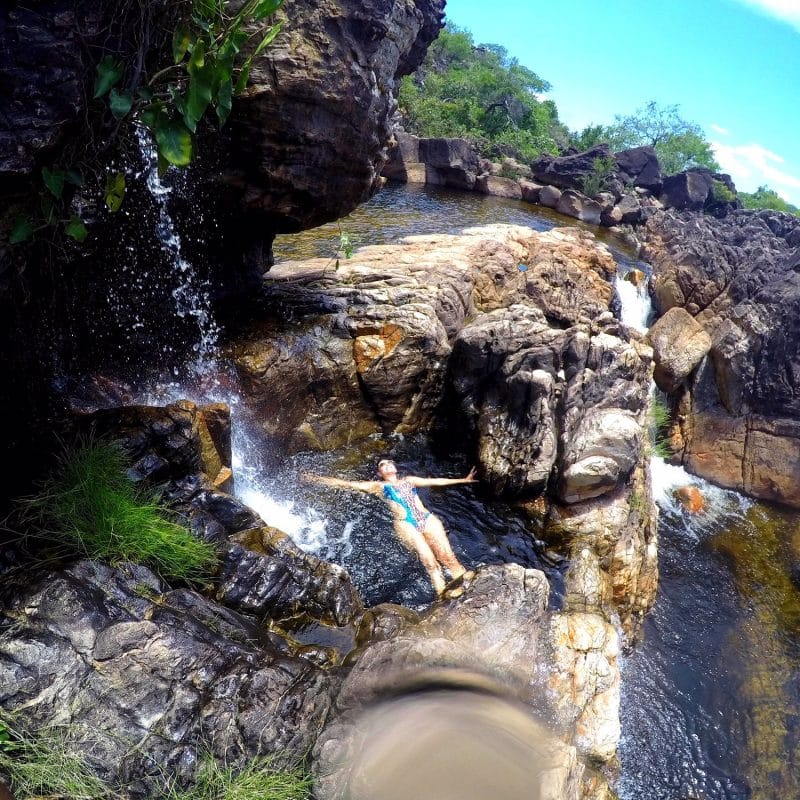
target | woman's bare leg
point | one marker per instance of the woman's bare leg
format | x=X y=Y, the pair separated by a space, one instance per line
x=438 y=542
x=416 y=542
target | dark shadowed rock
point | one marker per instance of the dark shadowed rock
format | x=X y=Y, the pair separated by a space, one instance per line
x=569 y=172
x=639 y=166
x=151 y=676
x=738 y=277
x=449 y=162
x=691 y=190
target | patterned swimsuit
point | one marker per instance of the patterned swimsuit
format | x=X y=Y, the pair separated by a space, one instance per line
x=405 y=495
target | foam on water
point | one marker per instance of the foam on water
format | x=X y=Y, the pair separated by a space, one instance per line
x=636 y=305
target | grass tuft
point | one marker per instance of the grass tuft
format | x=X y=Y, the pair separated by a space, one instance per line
x=258 y=779
x=659 y=428
x=90 y=505
x=46 y=764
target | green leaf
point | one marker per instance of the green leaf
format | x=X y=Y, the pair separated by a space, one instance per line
x=244 y=76
x=154 y=115
x=120 y=103
x=54 y=180
x=21 y=230
x=145 y=93
x=264 y=8
x=270 y=35
x=109 y=71
x=224 y=101
x=198 y=57
x=174 y=143
x=181 y=40
x=205 y=9
x=199 y=96
x=76 y=229
x=115 y=191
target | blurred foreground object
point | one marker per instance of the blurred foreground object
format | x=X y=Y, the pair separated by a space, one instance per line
x=448 y=735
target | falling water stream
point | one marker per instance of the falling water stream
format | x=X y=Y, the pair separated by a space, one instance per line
x=711 y=695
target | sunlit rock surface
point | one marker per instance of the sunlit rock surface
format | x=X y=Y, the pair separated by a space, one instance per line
x=146 y=676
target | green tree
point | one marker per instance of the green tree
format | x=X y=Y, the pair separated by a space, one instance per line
x=480 y=93
x=590 y=136
x=764 y=197
x=679 y=144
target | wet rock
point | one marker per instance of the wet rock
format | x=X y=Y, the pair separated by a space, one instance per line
x=737 y=277
x=679 y=344
x=147 y=676
x=449 y=162
x=262 y=572
x=549 y=196
x=691 y=498
x=499 y=187
x=574 y=204
x=530 y=190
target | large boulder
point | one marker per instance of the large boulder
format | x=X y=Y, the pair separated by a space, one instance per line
x=449 y=162
x=146 y=677
x=639 y=166
x=517 y=655
x=679 y=344
x=569 y=172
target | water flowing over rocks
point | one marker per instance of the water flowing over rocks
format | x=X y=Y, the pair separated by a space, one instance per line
x=738 y=412
x=262 y=572
x=503 y=339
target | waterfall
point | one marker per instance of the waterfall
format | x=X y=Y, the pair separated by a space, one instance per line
x=192 y=294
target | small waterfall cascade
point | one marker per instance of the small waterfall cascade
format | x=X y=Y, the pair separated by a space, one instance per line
x=192 y=294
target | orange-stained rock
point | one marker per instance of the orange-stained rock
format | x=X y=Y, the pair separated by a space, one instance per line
x=636 y=277
x=691 y=498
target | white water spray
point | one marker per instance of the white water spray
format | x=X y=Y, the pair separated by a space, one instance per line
x=192 y=294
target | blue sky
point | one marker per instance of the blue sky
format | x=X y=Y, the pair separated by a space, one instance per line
x=731 y=66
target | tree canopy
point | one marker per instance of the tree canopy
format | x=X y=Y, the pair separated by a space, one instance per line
x=480 y=92
x=764 y=197
x=679 y=144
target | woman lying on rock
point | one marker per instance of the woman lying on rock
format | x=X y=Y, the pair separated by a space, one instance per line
x=417 y=528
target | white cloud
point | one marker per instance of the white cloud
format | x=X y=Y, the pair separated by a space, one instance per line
x=719 y=129
x=787 y=11
x=751 y=166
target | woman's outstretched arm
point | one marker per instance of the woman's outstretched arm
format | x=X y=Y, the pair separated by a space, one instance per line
x=415 y=480
x=372 y=487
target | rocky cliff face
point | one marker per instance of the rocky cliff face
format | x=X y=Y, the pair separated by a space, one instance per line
x=739 y=411
x=305 y=144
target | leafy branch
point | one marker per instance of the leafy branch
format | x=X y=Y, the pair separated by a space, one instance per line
x=212 y=54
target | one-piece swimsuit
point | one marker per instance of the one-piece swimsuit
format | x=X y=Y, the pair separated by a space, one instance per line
x=405 y=495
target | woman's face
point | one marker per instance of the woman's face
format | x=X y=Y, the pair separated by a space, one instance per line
x=386 y=467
